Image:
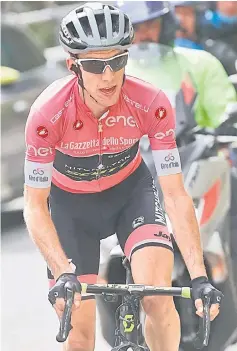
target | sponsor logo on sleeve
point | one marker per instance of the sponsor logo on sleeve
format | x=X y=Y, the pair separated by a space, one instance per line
x=59 y=114
x=170 y=162
x=161 y=113
x=161 y=135
x=42 y=131
x=41 y=151
x=38 y=176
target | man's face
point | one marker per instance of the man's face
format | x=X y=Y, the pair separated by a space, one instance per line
x=228 y=8
x=187 y=18
x=104 y=87
x=148 y=31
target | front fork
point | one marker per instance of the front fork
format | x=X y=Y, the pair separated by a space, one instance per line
x=128 y=326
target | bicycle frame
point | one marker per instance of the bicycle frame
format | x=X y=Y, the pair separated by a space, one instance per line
x=128 y=325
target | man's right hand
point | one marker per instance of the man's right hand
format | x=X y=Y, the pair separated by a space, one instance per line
x=57 y=293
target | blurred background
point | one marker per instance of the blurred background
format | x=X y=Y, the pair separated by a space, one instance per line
x=31 y=59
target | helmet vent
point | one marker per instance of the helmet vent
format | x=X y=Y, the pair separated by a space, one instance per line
x=86 y=26
x=115 y=23
x=100 y=20
x=79 y=10
x=126 y=25
x=72 y=30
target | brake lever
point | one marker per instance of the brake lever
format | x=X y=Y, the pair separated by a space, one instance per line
x=202 y=337
x=65 y=323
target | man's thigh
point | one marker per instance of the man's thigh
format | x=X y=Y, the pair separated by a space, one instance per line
x=80 y=244
x=84 y=323
x=142 y=222
x=152 y=266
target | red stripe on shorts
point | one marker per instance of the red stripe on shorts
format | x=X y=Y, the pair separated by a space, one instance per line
x=148 y=233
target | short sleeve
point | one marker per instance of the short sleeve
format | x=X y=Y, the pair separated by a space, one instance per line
x=41 y=137
x=161 y=133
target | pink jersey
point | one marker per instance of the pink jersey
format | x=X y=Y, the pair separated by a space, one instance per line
x=67 y=145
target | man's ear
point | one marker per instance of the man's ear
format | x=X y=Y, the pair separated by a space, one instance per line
x=71 y=65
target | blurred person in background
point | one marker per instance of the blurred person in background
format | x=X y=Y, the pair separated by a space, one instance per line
x=154 y=22
x=221 y=22
x=188 y=14
x=198 y=25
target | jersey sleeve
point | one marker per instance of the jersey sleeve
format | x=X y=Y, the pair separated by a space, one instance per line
x=161 y=133
x=41 y=136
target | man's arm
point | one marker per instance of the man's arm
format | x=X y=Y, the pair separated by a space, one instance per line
x=42 y=230
x=180 y=209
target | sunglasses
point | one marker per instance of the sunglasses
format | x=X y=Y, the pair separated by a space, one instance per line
x=98 y=66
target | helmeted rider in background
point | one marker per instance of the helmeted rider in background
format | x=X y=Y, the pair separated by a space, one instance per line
x=198 y=25
x=220 y=22
x=202 y=75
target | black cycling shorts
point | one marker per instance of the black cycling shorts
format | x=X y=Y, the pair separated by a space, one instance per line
x=131 y=209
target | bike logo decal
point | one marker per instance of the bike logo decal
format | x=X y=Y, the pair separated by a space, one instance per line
x=42 y=131
x=169 y=157
x=128 y=323
x=38 y=171
x=161 y=113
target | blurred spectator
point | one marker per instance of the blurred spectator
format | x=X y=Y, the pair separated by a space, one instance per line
x=220 y=22
x=198 y=25
x=224 y=14
x=188 y=13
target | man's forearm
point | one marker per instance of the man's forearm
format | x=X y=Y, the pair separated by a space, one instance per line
x=43 y=233
x=182 y=215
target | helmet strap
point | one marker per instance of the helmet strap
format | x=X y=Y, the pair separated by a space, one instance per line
x=81 y=83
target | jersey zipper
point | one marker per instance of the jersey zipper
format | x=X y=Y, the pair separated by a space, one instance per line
x=100 y=164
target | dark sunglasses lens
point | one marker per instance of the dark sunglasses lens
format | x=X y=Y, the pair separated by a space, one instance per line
x=118 y=63
x=93 y=66
x=97 y=66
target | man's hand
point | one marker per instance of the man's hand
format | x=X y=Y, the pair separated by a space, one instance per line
x=198 y=286
x=57 y=293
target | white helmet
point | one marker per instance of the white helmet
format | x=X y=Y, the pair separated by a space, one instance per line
x=94 y=26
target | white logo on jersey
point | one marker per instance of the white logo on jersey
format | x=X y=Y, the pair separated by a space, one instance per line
x=136 y=104
x=60 y=112
x=41 y=151
x=161 y=135
x=126 y=121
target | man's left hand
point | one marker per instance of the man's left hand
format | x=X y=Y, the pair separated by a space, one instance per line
x=198 y=286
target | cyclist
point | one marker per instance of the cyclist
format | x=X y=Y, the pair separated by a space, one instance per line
x=83 y=133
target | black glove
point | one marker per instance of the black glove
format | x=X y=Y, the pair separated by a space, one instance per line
x=201 y=287
x=64 y=281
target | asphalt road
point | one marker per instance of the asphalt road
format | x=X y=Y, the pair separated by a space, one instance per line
x=28 y=321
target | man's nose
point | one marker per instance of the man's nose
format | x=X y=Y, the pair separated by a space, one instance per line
x=108 y=74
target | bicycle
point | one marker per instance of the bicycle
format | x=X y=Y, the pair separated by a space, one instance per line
x=128 y=332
